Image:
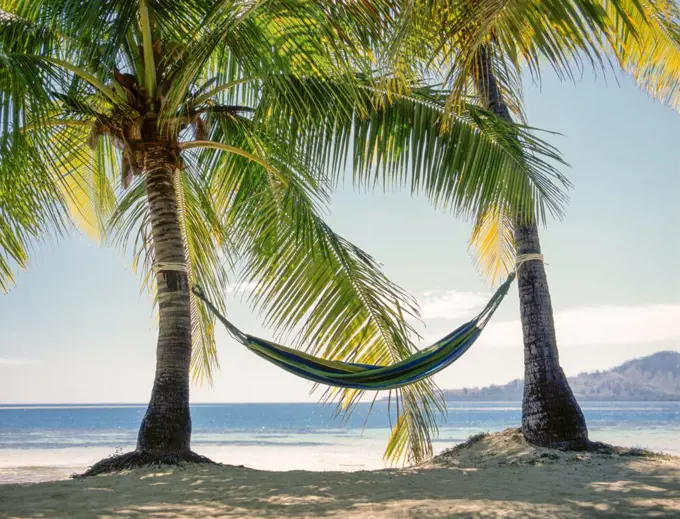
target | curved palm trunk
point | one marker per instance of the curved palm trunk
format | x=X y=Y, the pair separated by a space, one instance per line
x=165 y=433
x=166 y=427
x=551 y=416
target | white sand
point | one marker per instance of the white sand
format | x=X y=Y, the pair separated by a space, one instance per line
x=498 y=476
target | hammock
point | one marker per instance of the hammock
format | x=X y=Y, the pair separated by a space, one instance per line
x=418 y=366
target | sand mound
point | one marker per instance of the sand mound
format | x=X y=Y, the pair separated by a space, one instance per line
x=497 y=475
x=510 y=448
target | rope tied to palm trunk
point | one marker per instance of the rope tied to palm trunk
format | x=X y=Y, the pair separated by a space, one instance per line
x=521 y=259
x=176 y=267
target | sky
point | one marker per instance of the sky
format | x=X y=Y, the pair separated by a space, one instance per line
x=76 y=328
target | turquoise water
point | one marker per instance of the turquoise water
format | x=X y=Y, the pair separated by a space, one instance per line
x=47 y=442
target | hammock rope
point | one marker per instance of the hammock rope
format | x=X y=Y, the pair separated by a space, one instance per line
x=521 y=259
x=422 y=364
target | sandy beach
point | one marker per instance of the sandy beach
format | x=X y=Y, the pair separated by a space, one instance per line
x=498 y=475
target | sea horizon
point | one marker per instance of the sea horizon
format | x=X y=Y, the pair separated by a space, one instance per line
x=40 y=442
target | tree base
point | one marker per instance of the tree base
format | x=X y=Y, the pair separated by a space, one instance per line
x=140 y=459
x=555 y=424
x=579 y=443
x=551 y=415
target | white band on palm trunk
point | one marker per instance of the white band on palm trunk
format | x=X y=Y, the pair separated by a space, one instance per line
x=523 y=258
x=177 y=267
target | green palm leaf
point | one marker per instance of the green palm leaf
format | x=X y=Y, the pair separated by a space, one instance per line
x=332 y=295
x=443 y=38
x=31 y=207
x=400 y=135
x=261 y=104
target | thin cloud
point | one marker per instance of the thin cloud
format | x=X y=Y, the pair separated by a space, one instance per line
x=241 y=288
x=599 y=325
x=450 y=304
x=16 y=361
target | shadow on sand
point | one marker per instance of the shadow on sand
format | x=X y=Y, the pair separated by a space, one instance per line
x=543 y=484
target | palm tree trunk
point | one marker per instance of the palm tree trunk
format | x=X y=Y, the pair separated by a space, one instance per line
x=166 y=426
x=165 y=433
x=551 y=416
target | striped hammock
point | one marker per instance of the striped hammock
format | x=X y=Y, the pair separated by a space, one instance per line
x=418 y=366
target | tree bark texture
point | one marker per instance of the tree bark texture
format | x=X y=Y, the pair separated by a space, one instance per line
x=166 y=427
x=551 y=416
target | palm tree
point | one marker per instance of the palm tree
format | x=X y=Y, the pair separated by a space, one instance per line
x=551 y=416
x=481 y=47
x=201 y=134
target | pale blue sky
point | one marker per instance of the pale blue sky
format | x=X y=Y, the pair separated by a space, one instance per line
x=75 y=329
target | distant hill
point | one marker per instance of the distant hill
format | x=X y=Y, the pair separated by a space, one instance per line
x=656 y=377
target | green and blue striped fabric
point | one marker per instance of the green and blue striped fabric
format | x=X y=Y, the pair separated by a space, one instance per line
x=418 y=366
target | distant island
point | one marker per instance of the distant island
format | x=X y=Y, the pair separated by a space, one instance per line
x=656 y=377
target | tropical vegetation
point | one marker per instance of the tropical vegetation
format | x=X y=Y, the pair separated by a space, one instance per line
x=205 y=137
x=481 y=49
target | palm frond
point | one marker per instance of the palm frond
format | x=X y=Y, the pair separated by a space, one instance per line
x=209 y=257
x=237 y=40
x=645 y=38
x=94 y=30
x=310 y=282
x=492 y=244
x=207 y=252
x=48 y=173
x=396 y=138
x=86 y=176
x=286 y=90
x=31 y=206
x=444 y=36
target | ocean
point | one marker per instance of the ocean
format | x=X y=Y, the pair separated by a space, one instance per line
x=43 y=442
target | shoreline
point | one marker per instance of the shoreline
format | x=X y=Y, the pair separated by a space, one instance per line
x=494 y=475
x=317 y=452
